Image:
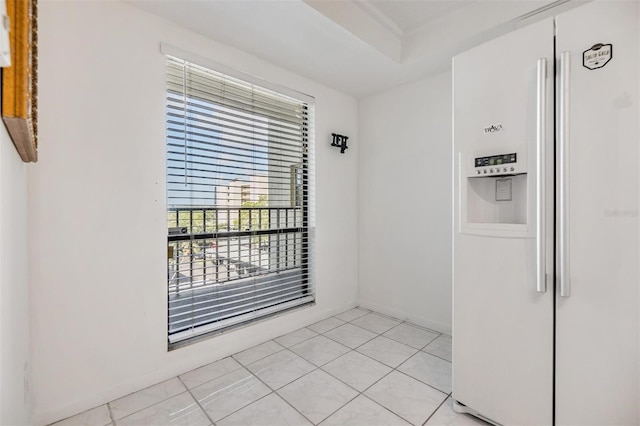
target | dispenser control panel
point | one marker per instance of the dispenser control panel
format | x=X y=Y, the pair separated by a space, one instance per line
x=510 y=163
x=497 y=160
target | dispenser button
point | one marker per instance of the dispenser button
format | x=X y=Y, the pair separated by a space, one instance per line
x=504 y=169
x=484 y=171
x=512 y=169
x=478 y=171
x=490 y=170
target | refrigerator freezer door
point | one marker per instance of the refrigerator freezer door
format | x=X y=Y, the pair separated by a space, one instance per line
x=597 y=325
x=502 y=324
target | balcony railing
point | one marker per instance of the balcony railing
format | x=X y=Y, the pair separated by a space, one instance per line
x=225 y=263
x=214 y=246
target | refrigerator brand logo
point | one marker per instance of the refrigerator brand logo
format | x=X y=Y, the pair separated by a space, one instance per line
x=493 y=128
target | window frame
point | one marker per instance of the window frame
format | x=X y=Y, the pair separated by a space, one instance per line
x=307 y=206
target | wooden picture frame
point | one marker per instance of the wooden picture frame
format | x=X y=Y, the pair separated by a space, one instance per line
x=19 y=81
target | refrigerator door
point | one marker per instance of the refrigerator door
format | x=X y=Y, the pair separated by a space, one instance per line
x=597 y=323
x=502 y=318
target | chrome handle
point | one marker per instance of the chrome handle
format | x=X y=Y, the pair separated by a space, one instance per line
x=563 y=168
x=541 y=243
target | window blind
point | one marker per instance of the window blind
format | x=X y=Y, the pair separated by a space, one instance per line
x=239 y=200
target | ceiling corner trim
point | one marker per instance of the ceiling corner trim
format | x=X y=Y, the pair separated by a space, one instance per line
x=382 y=35
x=379 y=16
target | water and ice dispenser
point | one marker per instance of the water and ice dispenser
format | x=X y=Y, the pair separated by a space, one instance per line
x=494 y=190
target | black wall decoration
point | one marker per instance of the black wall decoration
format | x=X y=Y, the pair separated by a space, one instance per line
x=340 y=141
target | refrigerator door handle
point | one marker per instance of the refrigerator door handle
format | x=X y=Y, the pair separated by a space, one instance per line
x=563 y=167
x=541 y=126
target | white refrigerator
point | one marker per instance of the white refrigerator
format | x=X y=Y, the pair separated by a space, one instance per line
x=546 y=324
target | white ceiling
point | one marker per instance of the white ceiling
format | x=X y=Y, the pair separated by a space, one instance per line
x=411 y=15
x=356 y=46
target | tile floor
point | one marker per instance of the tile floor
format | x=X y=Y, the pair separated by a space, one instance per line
x=356 y=368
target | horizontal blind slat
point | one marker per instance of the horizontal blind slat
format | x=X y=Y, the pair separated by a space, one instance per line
x=249 y=296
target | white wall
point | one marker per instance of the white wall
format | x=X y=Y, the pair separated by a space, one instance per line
x=14 y=294
x=98 y=222
x=404 y=178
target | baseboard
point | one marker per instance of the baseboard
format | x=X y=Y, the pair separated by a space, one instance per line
x=414 y=319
